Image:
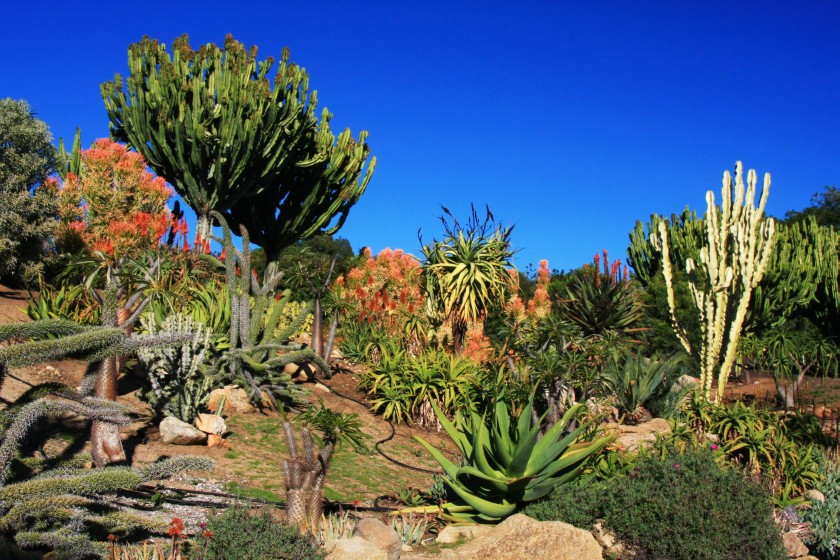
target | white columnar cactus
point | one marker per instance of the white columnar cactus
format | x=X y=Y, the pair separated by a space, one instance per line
x=739 y=241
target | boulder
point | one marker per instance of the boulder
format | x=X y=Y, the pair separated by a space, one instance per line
x=631 y=438
x=519 y=537
x=355 y=548
x=794 y=546
x=454 y=533
x=608 y=541
x=211 y=424
x=176 y=432
x=382 y=536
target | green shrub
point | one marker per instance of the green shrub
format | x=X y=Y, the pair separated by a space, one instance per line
x=687 y=506
x=580 y=506
x=824 y=517
x=240 y=534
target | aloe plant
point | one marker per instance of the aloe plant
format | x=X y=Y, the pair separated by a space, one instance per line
x=507 y=464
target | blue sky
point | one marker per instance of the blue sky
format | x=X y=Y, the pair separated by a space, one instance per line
x=571 y=120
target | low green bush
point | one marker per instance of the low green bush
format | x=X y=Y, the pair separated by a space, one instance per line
x=687 y=506
x=241 y=534
x=824 y=517
x=580 y=506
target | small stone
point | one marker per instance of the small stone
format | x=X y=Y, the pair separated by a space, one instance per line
x=211 y=424
x=215 y=440
x=321 y=387
x=454 y=533
x=176 y=432
x=815 y=495
x=355 y=548
x=382 y=536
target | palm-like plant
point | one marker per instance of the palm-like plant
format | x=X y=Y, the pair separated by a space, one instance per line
x=467 y=271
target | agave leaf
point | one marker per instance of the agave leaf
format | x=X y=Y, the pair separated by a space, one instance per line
x=454 y=433
x=448 y=466
x=496 y=510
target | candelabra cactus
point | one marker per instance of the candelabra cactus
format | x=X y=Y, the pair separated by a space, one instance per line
x=737 y=249
x=258 y=352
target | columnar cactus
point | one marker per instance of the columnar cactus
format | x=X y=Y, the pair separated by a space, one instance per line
x=739 y=242
x=304 y=476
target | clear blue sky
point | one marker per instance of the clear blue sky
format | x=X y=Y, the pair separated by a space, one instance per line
x=571 y=120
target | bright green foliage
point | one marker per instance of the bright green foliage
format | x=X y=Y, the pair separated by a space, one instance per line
x=403 y=388
x=801 y=278
x=507 y=464
x=212 y=123
x=781 y=449
x=258 y=352
x=685 y=506
x=599 y=301
x=335 y=427
x=27 y=157
x=67 y=302
x=467 y=271
x=824 y=517
x=241 y=535
x=685 y=237
x=643 y=384
x=179 y=384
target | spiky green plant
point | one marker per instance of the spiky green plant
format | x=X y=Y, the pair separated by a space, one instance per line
x=507 y=464
x=599 y=301
x=58 y=508
x=258 y=351
x=178 y=375
x=467 y=271
x=644 y=386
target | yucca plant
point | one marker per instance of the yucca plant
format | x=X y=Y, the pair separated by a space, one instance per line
x=507 y=464
x=467 y=271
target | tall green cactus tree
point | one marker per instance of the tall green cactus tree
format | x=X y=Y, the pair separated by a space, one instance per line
x=210 y=122
x=737 y=249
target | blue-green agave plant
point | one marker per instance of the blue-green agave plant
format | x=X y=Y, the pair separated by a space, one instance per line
x=508 y=464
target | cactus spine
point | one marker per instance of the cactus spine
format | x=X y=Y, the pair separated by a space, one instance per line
x=737 y=249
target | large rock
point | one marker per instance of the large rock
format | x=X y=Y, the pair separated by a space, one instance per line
x=382 y=536
x=519 y=537
x=176 y=432
x=794 y=546
x=211 y=424
x=631 y=438
x=355 y=548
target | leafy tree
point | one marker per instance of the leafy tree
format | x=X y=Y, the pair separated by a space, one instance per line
x=825 y=208
x=27 y=157
x=467 y=270
x=113 y=205
x=210 y=122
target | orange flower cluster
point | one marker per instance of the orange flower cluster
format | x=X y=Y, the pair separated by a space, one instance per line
x=539 y=306
x=114 y=205
x=383 y=290
x=611 y=272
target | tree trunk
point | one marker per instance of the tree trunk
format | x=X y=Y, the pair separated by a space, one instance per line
x=459 y=332
x=318 y=331
x=787 y=392
x=106 y=444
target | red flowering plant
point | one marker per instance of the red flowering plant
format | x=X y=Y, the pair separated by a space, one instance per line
x=384 y=294
x=114 y=206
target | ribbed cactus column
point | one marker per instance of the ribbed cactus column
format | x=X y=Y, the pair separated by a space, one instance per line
x=304 y=476
x=737 y=249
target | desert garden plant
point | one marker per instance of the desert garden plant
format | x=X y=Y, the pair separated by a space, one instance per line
x=645 y=387
x=733 y=259
x=708 y=512
x=506 y=464
x=824 y=515
x=240 y=534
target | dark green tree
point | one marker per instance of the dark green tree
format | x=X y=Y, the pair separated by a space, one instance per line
x=27 y=158
x=228 y=139
x=825 y=208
